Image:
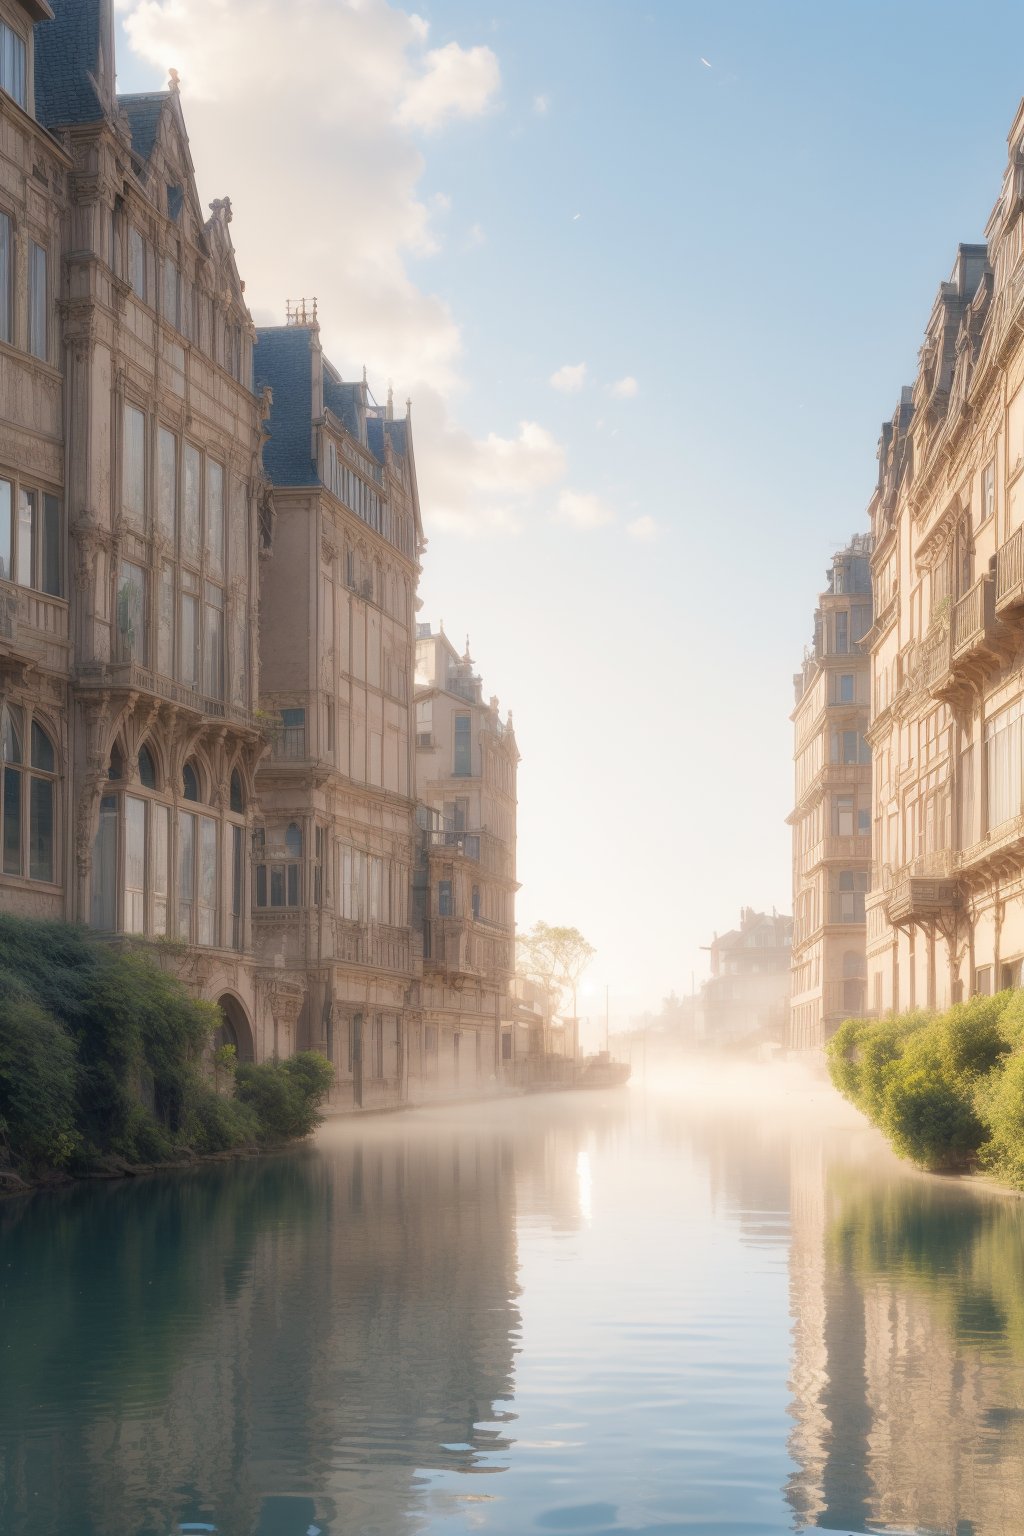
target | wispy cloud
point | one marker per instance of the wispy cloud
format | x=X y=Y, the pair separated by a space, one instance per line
x=569 y=379
x=584 y=510
x=540 y=105
x=624 y=389
x=644 y=529
x=475 y=237
x=455 y=82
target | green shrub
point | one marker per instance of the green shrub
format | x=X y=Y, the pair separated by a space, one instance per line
x=285 y=1095
x=102 y=1051
x=37 y=1085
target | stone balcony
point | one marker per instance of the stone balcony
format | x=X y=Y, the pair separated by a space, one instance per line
x=33 y=629
x=1010 y=575
x=462 y=946
x=925 y=892
x=839 y=850
x=952 y=663
x=131 y=677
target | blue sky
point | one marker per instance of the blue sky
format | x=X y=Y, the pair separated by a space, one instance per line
x=757 y=245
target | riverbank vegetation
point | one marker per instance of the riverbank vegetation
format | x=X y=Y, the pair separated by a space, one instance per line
x=947 y=1089
x=105 y=1059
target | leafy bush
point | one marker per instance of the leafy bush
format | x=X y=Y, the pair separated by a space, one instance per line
x=941 y=1086
x=285 y=1095
x=102 y=1051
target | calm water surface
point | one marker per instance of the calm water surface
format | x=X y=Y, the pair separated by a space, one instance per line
x=725 y=1312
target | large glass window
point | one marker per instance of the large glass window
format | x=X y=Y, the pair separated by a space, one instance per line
x=134 y=864
x=6 y=283
x=137 y=263
x=165 y=623
x=191 y=538
x=188 y=671
x=207 y=880
x=167 y=484
x=133 y=476
x=213 y=643
x=1003 y=765
x=12 y=63
x=215 y=516
x=131 y=613
x=38 y=302
x=104 y=867
x=279 y=877
x=186 y=873
x=463 y=762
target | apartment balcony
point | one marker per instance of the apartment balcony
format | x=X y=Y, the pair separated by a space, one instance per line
x=839 y=850
x=33 y=629
x=130 y=677
x=953 y=663
x=376 y=945
x=462 y=946
x=925 y=892
x=1010 y=575
x=478 y=846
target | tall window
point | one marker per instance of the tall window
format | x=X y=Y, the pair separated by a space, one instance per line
x=445 y=898
x=133 y=472
x=131 y=613
x=137 y=262
x=30 y=542
x=28 y=803
x=849 y=747
x=12 y=63
x=425 y=723
x=6 y=284
x=293 y=733
x=463 y=760
x=215 y=516
x=171 y=291
x=844 y=693
x=1003 y=765
x=842 y=633
x=988 y=491
x=38 y=301
x=279 y=868
x=167 y=485
x=848 y=898
x=842 y=816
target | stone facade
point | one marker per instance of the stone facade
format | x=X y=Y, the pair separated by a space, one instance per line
x=946 y=911
x=466 y=765
x=831 y=820
x=746 y=995
x=336 y=847
x=131 y=450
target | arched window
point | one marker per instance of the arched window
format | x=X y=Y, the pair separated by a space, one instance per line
x=190 y=782
x=29 y=798
x=237 y=799
x=147 y=769
x=116 y=770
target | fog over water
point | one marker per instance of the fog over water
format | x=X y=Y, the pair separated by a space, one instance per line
x=650 y=1311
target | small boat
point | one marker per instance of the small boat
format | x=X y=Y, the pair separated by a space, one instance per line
x=601 y=1071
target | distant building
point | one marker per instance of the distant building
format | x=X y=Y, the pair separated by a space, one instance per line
x=747 y=995
x=831 y=820
x=334 y=851
x=466 y=765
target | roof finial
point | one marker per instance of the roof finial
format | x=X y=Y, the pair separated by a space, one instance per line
x=467 y=657
x=408 y=410
x=174 y=81
x=391 y=402
x=364 y=374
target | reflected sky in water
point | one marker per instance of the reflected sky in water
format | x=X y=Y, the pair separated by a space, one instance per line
x=721 y=1308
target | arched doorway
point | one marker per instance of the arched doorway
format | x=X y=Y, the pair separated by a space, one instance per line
x=234 y=1029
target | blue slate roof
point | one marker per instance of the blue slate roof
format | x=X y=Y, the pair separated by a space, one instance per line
x=144 y=112
x=67 y=50
x=281 y=359
x=341 y=399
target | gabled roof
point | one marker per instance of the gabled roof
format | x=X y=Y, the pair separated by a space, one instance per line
x=67 y=52
x=281 y=358
x=143 y=112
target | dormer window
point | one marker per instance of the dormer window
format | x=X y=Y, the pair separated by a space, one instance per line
x=12 y=63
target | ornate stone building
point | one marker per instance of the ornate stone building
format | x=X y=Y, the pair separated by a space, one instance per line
x=466 y=766
x=831 y=820
x=335 y=850
x=130 y=581
x=946 y=912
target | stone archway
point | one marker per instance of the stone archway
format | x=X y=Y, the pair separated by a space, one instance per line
x=234 y=1029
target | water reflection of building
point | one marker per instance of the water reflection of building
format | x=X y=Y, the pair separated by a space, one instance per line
x=908 y=1355
x=262 y=1346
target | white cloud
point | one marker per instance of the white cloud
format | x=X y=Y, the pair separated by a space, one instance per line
x=644 y=529
x=584 y=510
x=540 y=105
x=455 y=82
x=333 y=92
x=624 y=389
x=569 y=379
x=476 y=237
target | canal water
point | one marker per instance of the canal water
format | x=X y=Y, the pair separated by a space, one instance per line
x=704 y=1306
